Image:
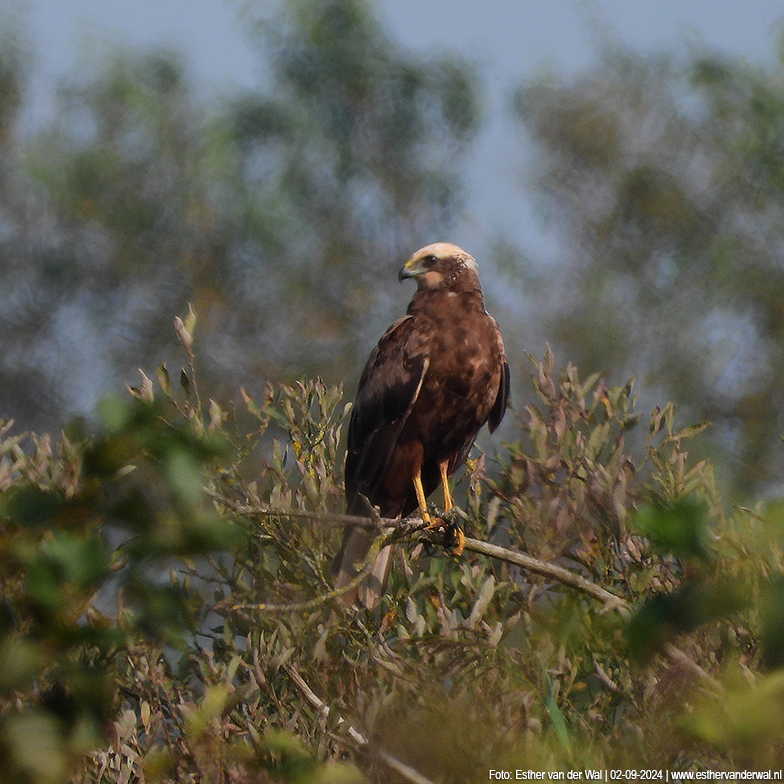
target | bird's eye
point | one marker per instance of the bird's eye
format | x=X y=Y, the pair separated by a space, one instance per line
x=430 y=259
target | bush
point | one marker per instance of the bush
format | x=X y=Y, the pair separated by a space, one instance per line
x=167 y=611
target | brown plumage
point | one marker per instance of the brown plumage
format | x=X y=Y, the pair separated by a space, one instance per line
x=435 y=377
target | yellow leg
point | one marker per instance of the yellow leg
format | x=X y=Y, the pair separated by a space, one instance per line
x=448 y=504
x=421 y=500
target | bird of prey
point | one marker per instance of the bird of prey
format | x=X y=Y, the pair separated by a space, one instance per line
x=434 y=379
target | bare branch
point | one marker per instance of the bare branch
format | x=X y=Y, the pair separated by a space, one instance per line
x=554 y=572
x=254 y=512
x=393 y=762
x=677 y=656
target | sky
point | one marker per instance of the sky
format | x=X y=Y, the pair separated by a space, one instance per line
x=510 y=40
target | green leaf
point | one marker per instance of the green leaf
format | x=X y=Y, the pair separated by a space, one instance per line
x=184 y=335
x=147 y=394
x=663 y=615
x=20 y=661
x=486 y=593
x=597 y=440
x=32 y=507
x=35 y=748
x=183 y=470
x=679 y=528
x=81 y=561
x=115 y=413
x=42 y=585
x=772 y=634
x=690 y=431
x=749 y=715
x=560 y=724
x=211 y=707
x=164 y=382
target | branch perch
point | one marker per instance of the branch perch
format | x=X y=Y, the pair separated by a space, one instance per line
x=554 y=572
x=411 y=526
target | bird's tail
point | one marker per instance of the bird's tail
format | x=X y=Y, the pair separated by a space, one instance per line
x=348 y=562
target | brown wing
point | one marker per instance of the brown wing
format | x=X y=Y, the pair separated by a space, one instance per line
x=388 y=389
x=502 y=399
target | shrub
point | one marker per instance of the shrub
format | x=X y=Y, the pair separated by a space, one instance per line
x=167 y=611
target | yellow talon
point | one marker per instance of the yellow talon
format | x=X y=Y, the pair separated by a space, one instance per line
x=460 y=546
x=456 y=531
x=437 y=522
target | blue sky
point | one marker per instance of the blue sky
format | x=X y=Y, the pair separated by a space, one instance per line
x=510 y=41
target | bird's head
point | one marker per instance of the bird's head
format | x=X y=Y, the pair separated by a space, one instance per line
x=438 y=265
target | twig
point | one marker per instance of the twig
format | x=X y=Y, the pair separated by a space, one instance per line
x=254 y=512
x=323 y=709
x=606 y=679
x=311 y=604
x=411 y=525
x=554 y=572
x=610 y=600
x=677 y=656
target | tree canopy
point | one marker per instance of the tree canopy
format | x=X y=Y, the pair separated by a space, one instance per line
x=280 y=212
x=664 y=173
x=276 y=211
x=166 y=607
x=167 y=612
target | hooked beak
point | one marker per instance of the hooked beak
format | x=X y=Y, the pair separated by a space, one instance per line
x=404 y=273
x=411 y=269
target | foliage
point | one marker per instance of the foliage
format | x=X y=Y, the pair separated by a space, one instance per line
x=282 y=210
x=239 y=665
x=166 y=611
x=664 y=174
x=276 y=210
x=84 y=527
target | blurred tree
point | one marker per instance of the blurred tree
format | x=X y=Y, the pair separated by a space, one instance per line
x=668 y=178
x=278 y=212
x=345 y=167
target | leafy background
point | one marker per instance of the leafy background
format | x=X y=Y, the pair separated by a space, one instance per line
x=166 y=610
